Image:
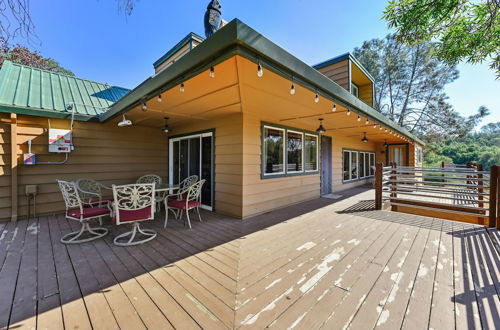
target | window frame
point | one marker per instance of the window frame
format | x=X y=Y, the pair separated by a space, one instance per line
x=356 y=87
x=317 y=153
x=302 y=149
x=358 y=163
x=286 y=173
x=264 y=154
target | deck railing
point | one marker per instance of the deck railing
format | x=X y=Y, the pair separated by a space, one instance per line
x=466 y=193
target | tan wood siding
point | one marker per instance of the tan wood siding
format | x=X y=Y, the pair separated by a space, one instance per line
x=366 y=93
x=102 y=151
x=5 y=172
x=338 y=72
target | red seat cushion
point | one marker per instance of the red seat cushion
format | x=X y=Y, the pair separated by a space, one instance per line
x=134 y=215
x=90 y=212
x=181 y=204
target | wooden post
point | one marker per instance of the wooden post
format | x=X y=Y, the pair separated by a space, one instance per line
x=442 y=174
x=493 y=197
x=13 y=167
x=378 y=186
x=480 y=184
x=393 y=186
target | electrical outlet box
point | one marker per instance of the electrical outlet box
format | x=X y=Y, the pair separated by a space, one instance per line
x=60 y=140
x=31 y=189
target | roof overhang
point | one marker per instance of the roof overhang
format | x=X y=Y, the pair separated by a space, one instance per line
x=237 y=38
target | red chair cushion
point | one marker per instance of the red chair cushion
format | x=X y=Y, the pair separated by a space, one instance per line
x=90 y=212
x=181 y=204
x=134 y=215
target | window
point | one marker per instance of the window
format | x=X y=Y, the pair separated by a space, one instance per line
x=311 y=153
x=354 y=90
x=288 y=151
x=295 y=141
x=273 y=151
x=357 y=165
x=419 y=155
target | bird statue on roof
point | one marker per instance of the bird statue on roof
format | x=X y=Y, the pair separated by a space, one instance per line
x=213 y=18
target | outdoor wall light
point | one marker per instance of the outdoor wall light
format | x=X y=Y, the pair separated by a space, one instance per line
x=334 y=109
x=260 y=71
x=165 y=128
x=364 y=139
x=212 y=72
x=181 y=88
x=144 y=107
x=124 y=122
x=320 y=129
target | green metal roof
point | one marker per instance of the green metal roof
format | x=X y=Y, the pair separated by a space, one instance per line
x=27 y=90
x=189 y=38
x=237 y=38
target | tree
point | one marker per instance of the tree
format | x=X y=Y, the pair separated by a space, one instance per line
x=465 y=30
x=22 y=55
x=16 y=20
x=410 y=87
x=491 y=128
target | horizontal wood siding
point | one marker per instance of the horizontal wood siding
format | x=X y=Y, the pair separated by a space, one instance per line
x=366 y=93
x=5 y=172
x=338 y=72
x=228 y=160
x=263 y=195
x=103 y=152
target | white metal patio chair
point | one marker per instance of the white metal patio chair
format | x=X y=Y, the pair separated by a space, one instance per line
x=91 y=192
x=133 y=204
x=191 y=201
x=75 y=210
x=183 y=185
x=156 y=180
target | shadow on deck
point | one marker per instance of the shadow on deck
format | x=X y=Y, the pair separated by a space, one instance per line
x=277 y=269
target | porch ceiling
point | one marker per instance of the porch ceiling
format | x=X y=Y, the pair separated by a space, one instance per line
x=237 y=88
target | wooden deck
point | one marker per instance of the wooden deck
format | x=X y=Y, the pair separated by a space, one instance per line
x=329 y=264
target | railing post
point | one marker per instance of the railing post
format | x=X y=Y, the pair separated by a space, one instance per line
x=480 y=184
x=378 y=186
x=393 y=186
x=493 y=197
x=442 y=174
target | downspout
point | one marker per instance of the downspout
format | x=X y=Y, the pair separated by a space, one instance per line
x=13 y=167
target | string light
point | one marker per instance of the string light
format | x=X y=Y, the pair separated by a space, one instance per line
x=292 y=88
x=182 y=89
x=260 y=71
x=367 y=122
x=144 y=107
x=374 y=125
x=380 y=128
x=159 y=98
x=386 y=130
x=316 y=98
x=212 y=72
x=359 y=118
x=348 y=112
x=334 y=109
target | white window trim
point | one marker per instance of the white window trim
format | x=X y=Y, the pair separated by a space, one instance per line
x=354 y=87
x=317 y=153
x=302 y=151
x=284 y=153
x=359 y=153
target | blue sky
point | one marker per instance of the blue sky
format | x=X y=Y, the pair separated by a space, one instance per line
x=95 y=41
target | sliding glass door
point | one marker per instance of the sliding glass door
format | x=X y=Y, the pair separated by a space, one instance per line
x=193 y=155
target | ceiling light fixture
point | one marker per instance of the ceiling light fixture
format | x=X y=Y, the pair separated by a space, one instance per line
x=320 y=129
x=165 y=128
x=260 y=71
x=364 y=139
x=124 y=122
